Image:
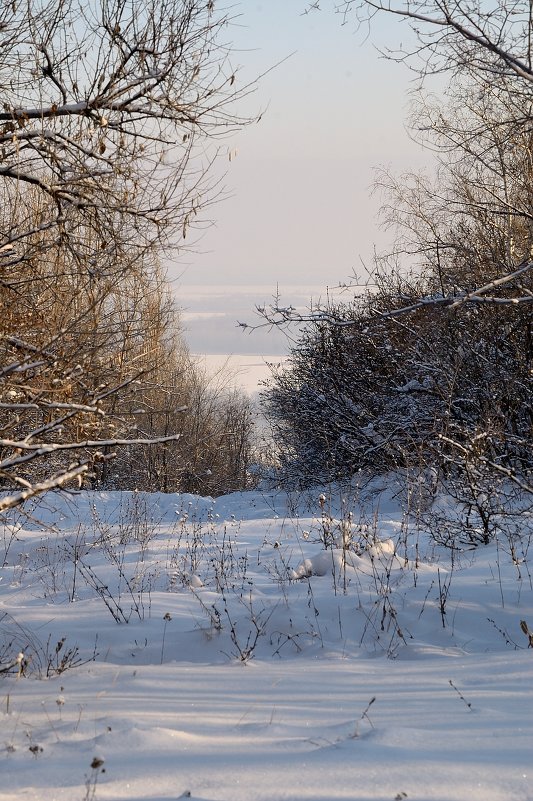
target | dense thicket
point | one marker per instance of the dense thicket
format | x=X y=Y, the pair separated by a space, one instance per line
x=434 y=364
x=377 y=393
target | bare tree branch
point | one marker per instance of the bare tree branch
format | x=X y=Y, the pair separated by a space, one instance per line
x=110 y=117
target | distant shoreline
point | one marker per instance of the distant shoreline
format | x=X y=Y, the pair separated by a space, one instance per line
x=243 y=371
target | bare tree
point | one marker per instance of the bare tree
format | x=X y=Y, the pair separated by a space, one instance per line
x=486 y=51
x=102 y=107
x=494 y=39
x=106 y=112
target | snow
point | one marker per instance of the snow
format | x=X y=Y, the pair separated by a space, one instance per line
x=275 y=649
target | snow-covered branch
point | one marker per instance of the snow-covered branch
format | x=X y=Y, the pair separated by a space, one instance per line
x=54 y=482
x=282 y=316
x=468 y=452
x=35 y=450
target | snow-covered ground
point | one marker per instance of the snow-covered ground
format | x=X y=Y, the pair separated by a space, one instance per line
x=254 y=649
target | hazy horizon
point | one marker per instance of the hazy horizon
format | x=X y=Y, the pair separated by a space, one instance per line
x=300 y=214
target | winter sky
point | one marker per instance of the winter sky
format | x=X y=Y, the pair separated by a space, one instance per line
x=300 y=213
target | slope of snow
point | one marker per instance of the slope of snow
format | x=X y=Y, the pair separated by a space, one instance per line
x=255 y=648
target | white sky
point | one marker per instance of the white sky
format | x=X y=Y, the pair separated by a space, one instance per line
x=300 y=211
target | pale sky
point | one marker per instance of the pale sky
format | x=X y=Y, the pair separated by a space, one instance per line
x=301 y=211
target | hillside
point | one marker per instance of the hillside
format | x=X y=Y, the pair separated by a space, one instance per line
x=260 y=647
